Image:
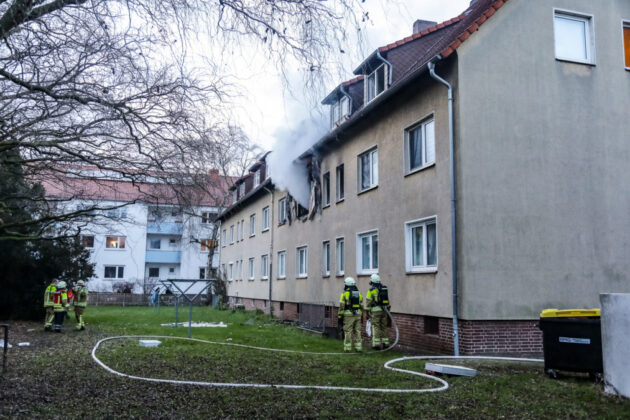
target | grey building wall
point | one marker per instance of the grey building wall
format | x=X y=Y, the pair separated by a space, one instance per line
x=542 y=164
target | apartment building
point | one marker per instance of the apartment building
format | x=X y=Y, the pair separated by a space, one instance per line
x=138 y=233
x=478 y=165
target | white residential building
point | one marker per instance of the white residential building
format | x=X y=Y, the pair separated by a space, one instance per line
x=134 y=241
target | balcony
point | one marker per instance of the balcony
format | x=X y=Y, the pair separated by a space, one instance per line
x=165 y=228
x=170 y=257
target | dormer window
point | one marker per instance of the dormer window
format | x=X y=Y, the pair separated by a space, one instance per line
x=339 y=111
x=376 y=83
x=234 y=196
x=241 y=189
x=256 y=178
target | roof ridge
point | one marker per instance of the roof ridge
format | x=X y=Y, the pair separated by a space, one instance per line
x=422 y=33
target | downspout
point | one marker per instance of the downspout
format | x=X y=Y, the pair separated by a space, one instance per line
x=389 y=72
x=451 y=151
x=271 y=219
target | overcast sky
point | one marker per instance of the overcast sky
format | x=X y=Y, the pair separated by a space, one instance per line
x=268 y=108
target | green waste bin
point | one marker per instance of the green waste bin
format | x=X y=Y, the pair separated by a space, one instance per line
x=572 y=341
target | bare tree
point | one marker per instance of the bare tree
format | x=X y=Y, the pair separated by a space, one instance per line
x=103 y=86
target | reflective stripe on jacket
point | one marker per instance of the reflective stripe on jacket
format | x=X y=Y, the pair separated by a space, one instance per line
x=81 y=297
x=344 y=304
x=372 y=300
x=48 y=295
x=60 y=300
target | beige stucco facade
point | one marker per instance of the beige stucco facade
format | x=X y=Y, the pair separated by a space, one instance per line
x=397 y=199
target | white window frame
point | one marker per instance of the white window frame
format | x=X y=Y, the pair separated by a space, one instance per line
x=282 y=264
x=230 y=275
x=252 y=225
x=224 y=238
x=410 y=268
x=151 y=247
x=370 y=96
x=231 y=234
x=589 y=33
x=326 y=258
x=372 y=155
x=265 y=219
x=326 y=189
x=373 y=269
x=250 y=270
x=339 y=111
x=242 y=229
x=117 y=267
x=340 y=257
x=238 y=231
x=257 y=178
x=625 y=24
x=340 y=183
x=427 y=161
x=117 y=247
x=241 y=189
x=264 y=267
x=282 y=210
x=234 y=196
x=205 y=217
x=298 y=252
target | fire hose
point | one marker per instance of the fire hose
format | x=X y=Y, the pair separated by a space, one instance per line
x=388 y=365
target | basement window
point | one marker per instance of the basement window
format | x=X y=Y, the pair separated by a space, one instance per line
x=431 y=325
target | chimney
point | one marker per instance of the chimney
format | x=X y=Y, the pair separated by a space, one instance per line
x=214 y=174
x=421 y=25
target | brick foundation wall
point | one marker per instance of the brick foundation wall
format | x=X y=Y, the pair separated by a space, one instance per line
x=475 y=337
x=500 y=337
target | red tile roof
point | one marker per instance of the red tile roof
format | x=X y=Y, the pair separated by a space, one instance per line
x=65 y=187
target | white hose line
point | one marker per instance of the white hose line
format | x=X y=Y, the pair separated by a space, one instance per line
x=443 y=387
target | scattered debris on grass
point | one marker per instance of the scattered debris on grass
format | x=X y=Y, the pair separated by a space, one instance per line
x=196 y=324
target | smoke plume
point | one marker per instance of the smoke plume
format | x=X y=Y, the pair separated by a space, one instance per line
x=287 y=172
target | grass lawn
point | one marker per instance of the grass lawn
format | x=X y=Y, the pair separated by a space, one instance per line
x=56 y=377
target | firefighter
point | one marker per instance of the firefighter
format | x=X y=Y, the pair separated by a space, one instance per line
x=60 y=305
x=377 y=301
x=49 y=306
x=80 y=302
x=350 y=305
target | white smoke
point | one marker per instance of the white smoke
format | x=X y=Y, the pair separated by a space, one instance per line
x=288 y=173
